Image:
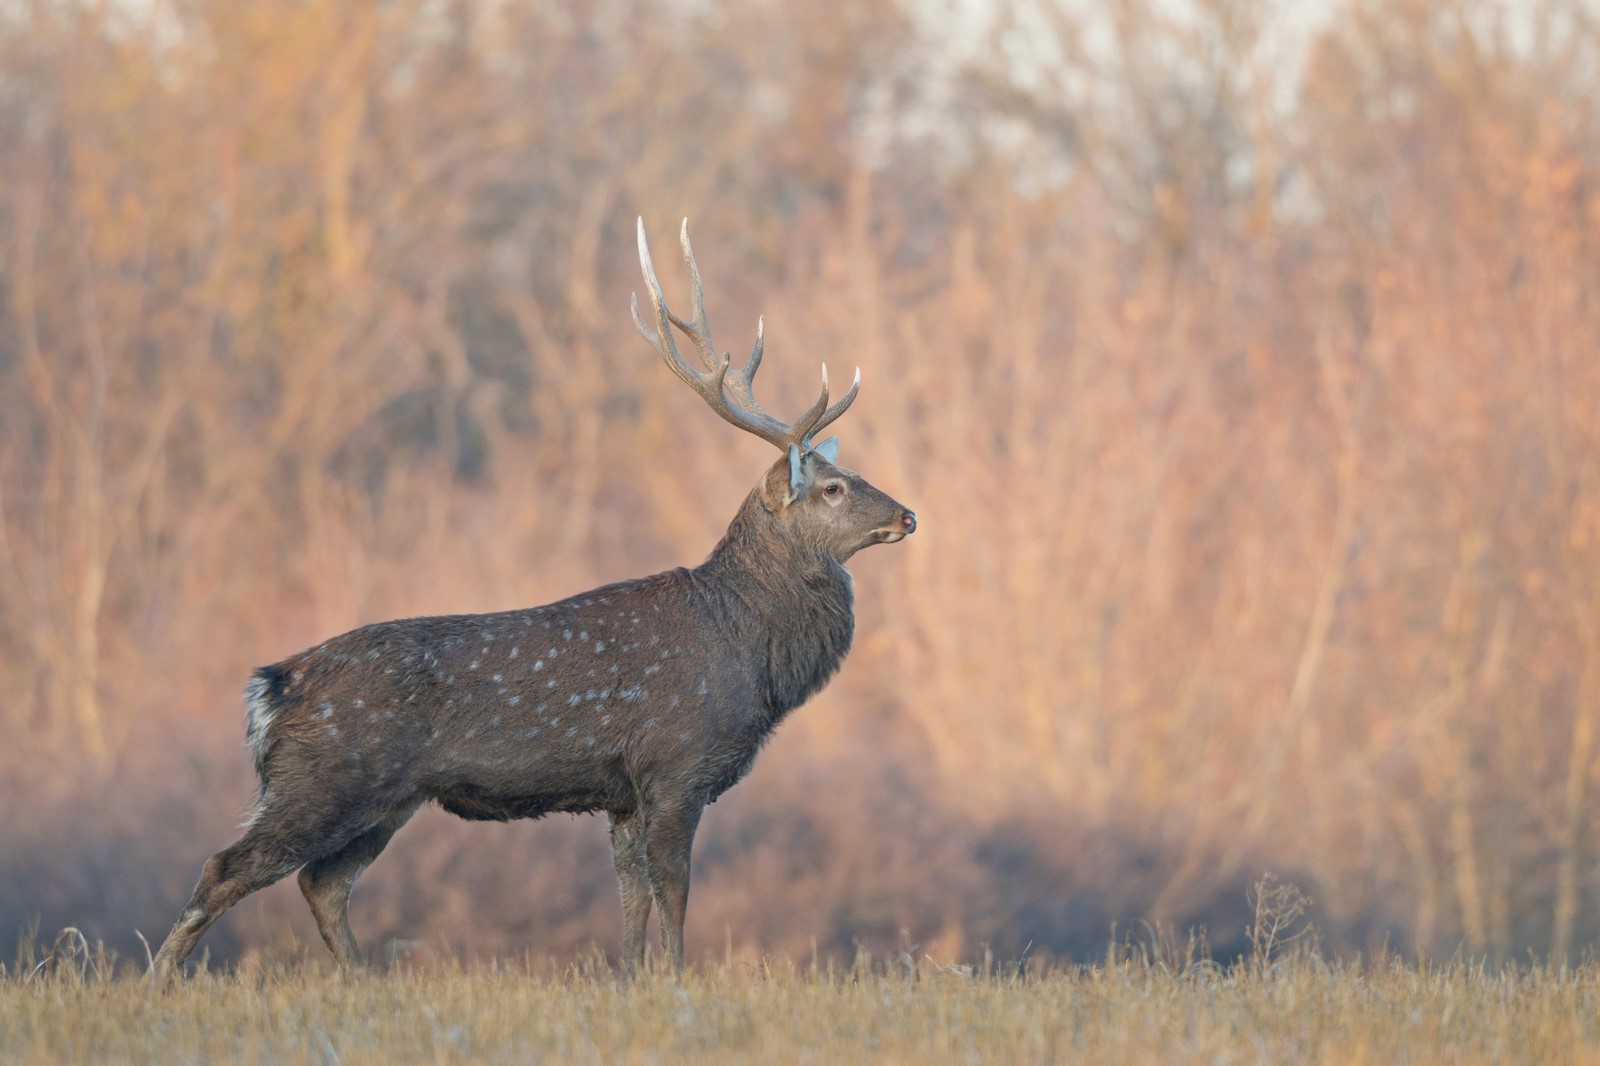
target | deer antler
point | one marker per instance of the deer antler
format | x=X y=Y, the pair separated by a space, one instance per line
x=727 y=391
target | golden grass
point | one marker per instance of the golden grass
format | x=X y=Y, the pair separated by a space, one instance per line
x=1300 y=1010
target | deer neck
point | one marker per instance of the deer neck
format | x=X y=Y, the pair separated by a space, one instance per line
x=790 y=604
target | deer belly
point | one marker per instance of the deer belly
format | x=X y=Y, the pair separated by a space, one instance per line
x=531 y=788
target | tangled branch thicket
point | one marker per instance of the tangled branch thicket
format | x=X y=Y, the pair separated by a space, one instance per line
x=1246 y=386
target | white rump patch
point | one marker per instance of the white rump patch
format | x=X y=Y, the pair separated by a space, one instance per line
x=258 y=712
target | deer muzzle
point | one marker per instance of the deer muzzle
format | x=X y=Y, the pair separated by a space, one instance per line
x=903 y=529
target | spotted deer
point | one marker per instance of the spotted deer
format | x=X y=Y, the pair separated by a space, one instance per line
x=646 y=699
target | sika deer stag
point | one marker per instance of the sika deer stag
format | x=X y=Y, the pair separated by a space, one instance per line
x=646 y=699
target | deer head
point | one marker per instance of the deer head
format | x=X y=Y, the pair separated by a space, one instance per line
x=823 y=505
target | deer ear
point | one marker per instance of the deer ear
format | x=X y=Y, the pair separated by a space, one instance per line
x=828 y=449
x=797 y=477
x=777 y=486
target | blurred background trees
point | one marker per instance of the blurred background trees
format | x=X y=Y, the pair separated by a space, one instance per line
x=1241 y=366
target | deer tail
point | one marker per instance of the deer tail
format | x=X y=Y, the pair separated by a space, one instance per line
x=263 y=698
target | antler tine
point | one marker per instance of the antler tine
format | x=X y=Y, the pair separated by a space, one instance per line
x=699 y=328
x=839 y=408
x=741 y=380
x=660 y=337
x=758 y=348
x=806 y=424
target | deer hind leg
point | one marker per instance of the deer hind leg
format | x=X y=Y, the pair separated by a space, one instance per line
x=633 y=880
x=669 y=836
x=257 y=860
x=327 y=882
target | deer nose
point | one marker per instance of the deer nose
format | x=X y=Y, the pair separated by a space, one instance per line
x=909 y=522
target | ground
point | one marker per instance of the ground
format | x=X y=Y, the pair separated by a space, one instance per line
x=78 y=1006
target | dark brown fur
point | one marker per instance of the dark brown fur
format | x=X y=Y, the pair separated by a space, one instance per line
x=646 y=699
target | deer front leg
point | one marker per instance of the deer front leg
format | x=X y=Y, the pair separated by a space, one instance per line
x=669 y=835
x=633 y=880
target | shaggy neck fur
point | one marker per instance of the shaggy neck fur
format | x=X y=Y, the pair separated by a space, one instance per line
x=787 y=601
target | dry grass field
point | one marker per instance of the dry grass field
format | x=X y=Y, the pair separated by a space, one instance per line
x=1128 y=1009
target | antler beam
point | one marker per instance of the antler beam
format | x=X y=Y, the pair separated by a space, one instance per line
x=727 y=391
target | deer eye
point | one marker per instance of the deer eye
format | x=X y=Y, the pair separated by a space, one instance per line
x=832 y=488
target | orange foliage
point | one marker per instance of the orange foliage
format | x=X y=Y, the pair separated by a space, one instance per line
x=1248 y=396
